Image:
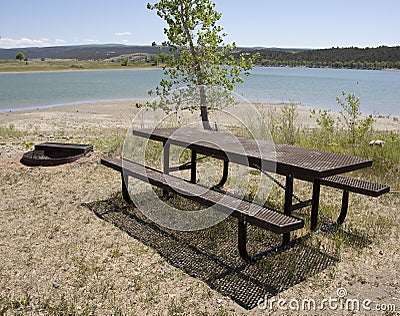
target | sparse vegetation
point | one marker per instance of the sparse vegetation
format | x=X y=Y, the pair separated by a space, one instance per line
x=82 y=251
x=356 y=126
x=126 y=62
x=348 y=134
x=66 y=64
x=9 y=132
x=284 y=125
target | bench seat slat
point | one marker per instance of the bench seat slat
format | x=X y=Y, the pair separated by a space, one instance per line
x=263 y=217
x=356 y=185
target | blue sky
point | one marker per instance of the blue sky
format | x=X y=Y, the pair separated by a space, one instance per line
x=301 y=24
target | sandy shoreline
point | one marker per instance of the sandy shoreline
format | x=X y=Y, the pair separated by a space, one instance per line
x=74 y=122
x=77 y=70
x=121 y=114
x=73 y=115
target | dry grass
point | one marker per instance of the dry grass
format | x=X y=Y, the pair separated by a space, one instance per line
x=64 y=65
x=70 y=246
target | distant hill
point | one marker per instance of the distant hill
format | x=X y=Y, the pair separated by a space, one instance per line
x=80 y=52
x=382 y=57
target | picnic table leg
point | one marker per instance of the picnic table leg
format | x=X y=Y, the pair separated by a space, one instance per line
x=345 y=206
x=125 y=192
x=315 y=203
x=288 y=204
x=224 y=176
x=166 y=149
x=242 y=239
x=242 y=244
x=193 y=166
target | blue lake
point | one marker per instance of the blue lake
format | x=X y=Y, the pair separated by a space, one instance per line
x=379 y=91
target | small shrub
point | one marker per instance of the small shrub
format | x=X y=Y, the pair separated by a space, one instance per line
x=326 y=124
x=285 y=129
x=351 y=116
x=75 y=66
x=126 y=62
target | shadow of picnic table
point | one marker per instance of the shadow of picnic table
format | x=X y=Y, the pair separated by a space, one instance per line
x=211 y=255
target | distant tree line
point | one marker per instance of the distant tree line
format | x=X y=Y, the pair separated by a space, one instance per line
x=161 y=59
x=382 y=57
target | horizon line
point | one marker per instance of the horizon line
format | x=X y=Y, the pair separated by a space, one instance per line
x=238 y=46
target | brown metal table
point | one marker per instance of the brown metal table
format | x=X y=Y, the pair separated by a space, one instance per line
x=290 y=161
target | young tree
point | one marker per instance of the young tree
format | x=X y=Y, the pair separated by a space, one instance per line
x=126 y=62
x=20 y=56
x=202 y=60
x=352 y=119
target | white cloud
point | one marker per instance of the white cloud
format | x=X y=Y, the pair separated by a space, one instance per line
x=90 y=41
x=60 y=41
x=7 y=42
x=123 y=33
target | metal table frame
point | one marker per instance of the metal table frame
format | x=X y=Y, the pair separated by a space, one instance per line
x=290 y=161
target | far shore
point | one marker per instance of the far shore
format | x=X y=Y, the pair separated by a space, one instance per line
x=66 y=65
x=76 y=70
x=117 y=67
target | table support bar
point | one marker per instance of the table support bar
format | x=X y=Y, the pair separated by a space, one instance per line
x=288 y=204
x=224 y=177
x=166 y=169
x=315 y=203
x=125 y=192
x=242 y=244
x=301 y=205
x=193 y=166
x=345 y=206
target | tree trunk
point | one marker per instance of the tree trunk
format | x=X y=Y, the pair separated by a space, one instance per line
x=203 y=109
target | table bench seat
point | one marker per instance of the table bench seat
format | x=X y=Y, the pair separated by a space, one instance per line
x=252 y=213
x=356 y=185
x=246 y=212
x=347 y=185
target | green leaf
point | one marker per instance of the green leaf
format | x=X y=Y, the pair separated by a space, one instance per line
x=201 y=57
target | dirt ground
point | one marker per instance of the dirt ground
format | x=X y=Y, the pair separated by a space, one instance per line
x=70 y=245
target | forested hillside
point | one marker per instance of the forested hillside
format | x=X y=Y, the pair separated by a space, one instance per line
x=79 y=52
x=382 y=57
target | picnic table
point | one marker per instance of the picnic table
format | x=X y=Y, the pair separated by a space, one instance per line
x=316 y=166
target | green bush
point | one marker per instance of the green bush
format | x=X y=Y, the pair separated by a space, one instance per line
x=283 y=126
x=356 y=126
x=126 y=62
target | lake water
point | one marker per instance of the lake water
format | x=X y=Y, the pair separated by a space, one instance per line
x=379 y=91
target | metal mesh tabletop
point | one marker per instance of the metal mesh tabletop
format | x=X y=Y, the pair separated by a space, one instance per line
x=303 y=163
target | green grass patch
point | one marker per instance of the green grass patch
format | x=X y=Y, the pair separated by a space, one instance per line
x=7 y=132
x=66 y=64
